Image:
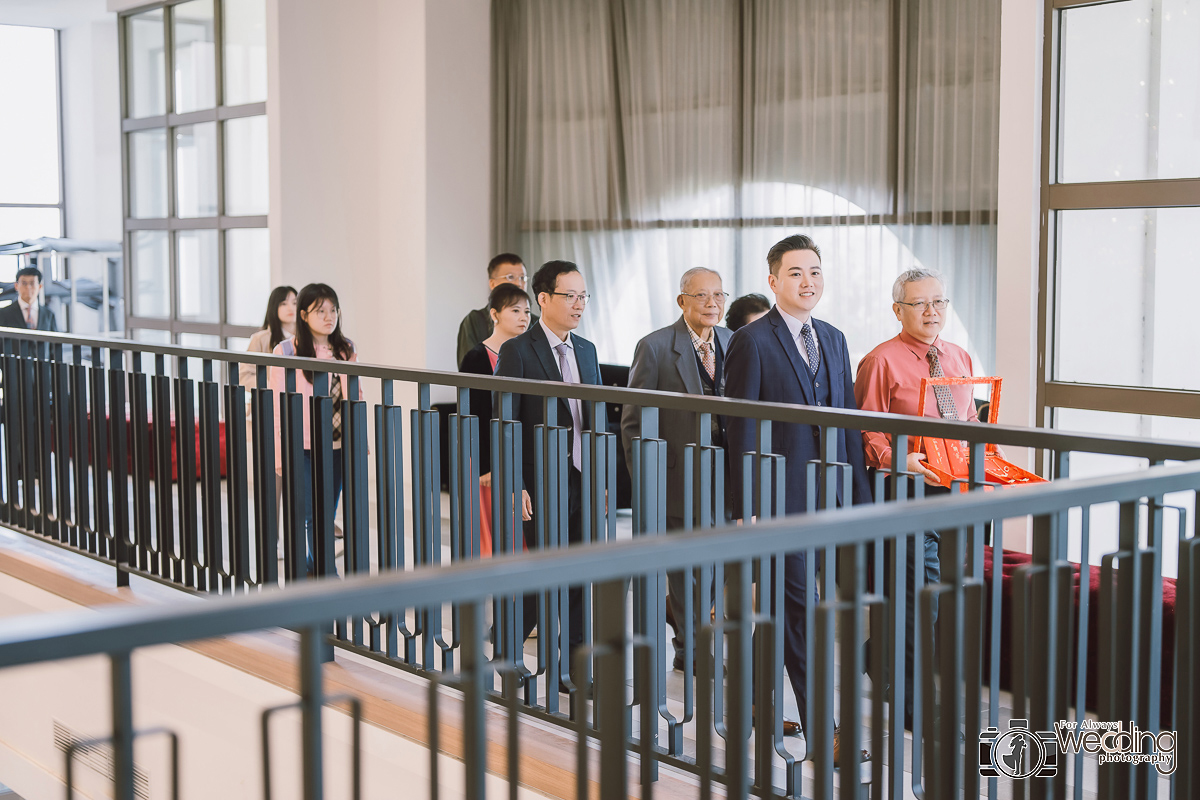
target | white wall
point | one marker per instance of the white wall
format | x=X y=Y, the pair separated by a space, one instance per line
x=1018 y=231
x=458 y=189
x=379 y=165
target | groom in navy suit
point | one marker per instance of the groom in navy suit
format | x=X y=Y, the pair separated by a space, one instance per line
x=787 y=356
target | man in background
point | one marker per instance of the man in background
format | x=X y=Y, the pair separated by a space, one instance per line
x=477 y=325
x=27 y=312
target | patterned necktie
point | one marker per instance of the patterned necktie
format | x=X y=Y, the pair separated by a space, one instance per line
x=810 y=347
x=568 y=376
x=945 y=400
x=709 y=359
x=335 y=394
x=29 y=316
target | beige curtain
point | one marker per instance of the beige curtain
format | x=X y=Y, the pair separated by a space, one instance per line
x=641 y=138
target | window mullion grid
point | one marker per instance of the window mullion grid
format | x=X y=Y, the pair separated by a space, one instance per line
x=219 y=82
x=172 y=144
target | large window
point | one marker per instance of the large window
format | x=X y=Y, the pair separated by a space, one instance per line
x=641 y=139
x=194 y=93
x=1121 y=170
x=31 y=201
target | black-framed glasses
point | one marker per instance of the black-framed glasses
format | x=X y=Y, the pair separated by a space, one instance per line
x=925 y=305
x=704 y=297
x=574 y=297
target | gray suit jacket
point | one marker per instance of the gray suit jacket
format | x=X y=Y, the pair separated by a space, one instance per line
x=665 y=360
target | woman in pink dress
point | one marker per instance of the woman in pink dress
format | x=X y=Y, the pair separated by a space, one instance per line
x=508 y=306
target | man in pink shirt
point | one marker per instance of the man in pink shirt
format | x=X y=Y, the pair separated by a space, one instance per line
x=889 y=379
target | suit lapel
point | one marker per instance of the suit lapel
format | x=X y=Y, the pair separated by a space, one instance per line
x=784 y=334
x=541 y=346
x=832 y=359
x=685 y=359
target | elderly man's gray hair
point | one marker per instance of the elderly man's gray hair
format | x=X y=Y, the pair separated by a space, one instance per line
x=692 y=273
x=912 y=276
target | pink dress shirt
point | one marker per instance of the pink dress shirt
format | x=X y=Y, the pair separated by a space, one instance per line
x=889 y=380
x=275 y=379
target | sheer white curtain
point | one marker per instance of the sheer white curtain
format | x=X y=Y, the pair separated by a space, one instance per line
x=641 y=138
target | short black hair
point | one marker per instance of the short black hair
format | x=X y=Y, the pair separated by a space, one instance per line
x=25 y=272
x=740 y=310
x=796 y=241
x=505 y=295
x=546 y=278
x=502 y=259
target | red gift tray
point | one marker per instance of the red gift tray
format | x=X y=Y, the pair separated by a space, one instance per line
x=949 y=459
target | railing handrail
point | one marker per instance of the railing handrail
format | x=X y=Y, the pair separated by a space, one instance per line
x=1016 y=436
x=47 y=637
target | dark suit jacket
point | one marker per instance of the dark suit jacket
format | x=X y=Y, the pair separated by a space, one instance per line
x=529 y=356
x=764 y=364
x=665 y=360
x=11 y=317
x=477 y=362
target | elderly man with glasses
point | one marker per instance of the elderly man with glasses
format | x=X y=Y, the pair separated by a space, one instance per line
x=687 y=356
x=889 y=380
x=477 y=324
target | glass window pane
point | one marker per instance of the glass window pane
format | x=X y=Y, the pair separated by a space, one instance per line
x=196 y=170
x=1104 y=518
x=247 y=275
x=29 y=136
x=237 y=343
x=1130 y=104
x=146 y=65
x=148 y=173
x=245 y=24
x=195 y=67
x=246 y=186
x=1126 y=283
x=198 y=289
x=152 y=336
x=151 y=275
x=21 y=224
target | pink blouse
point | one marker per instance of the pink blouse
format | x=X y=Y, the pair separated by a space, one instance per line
x=276 y=380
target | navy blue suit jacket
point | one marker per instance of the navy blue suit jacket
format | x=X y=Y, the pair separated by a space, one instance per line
x=764 y=364
x=529 y=356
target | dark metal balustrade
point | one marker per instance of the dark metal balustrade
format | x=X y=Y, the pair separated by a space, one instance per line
x=91 y=428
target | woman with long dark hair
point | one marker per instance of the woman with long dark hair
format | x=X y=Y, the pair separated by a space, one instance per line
x=278 y=324
x=508 y=307
x=318 y=335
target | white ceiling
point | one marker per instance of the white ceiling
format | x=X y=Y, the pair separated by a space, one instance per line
x=52 y=13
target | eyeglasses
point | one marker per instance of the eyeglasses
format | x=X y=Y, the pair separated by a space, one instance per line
x=511 y=278
x=925 y=305
x=325 y=312
x=704 y=297
x=574 y=297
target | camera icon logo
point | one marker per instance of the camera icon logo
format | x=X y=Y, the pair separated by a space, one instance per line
x=1017 y=752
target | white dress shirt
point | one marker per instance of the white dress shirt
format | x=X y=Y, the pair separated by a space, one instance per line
x=32 y=308
x=794 y=326
x=554 y=341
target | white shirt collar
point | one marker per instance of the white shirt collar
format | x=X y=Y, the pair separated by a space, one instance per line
x=22 y=304
x=795 y=325
x=552 y=337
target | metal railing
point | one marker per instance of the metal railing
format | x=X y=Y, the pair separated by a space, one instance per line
x=1130 y=657
x=91 y=427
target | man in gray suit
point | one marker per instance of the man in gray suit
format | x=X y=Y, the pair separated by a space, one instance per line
x=27 y=312
x=688 y=357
